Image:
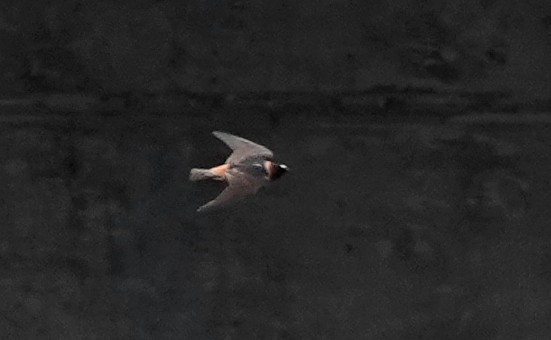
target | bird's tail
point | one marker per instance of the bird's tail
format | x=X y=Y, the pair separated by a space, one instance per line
x=200 y=174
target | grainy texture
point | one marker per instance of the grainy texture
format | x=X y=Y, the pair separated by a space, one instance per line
x=417 y=229
x=417 y=205
x=153 y=46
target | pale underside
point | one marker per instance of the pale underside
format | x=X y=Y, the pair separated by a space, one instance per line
x=239 y=186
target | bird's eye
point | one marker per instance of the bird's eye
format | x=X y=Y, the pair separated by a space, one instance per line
x=257 y=165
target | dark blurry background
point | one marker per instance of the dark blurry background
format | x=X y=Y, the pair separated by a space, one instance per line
x=418 y=133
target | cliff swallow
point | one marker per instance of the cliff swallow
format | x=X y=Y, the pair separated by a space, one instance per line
x=247 y=169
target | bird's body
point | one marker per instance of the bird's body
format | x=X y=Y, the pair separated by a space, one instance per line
x=246 y=170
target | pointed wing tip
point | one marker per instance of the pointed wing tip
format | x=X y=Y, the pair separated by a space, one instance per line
x=223 y=136
x=206 y=207
x=219 y=133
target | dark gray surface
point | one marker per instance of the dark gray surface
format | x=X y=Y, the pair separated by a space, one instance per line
x=417 y=134
x=383 y=230
x=150 y=46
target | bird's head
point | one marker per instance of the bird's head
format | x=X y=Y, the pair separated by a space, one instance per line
x=277 y=170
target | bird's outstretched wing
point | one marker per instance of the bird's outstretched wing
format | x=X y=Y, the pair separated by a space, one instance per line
x=239 y=186
x=242 y=148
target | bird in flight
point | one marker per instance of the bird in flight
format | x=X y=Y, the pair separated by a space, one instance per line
x=247 y=169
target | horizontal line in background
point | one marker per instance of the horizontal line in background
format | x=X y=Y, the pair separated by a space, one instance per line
x=503 y=118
